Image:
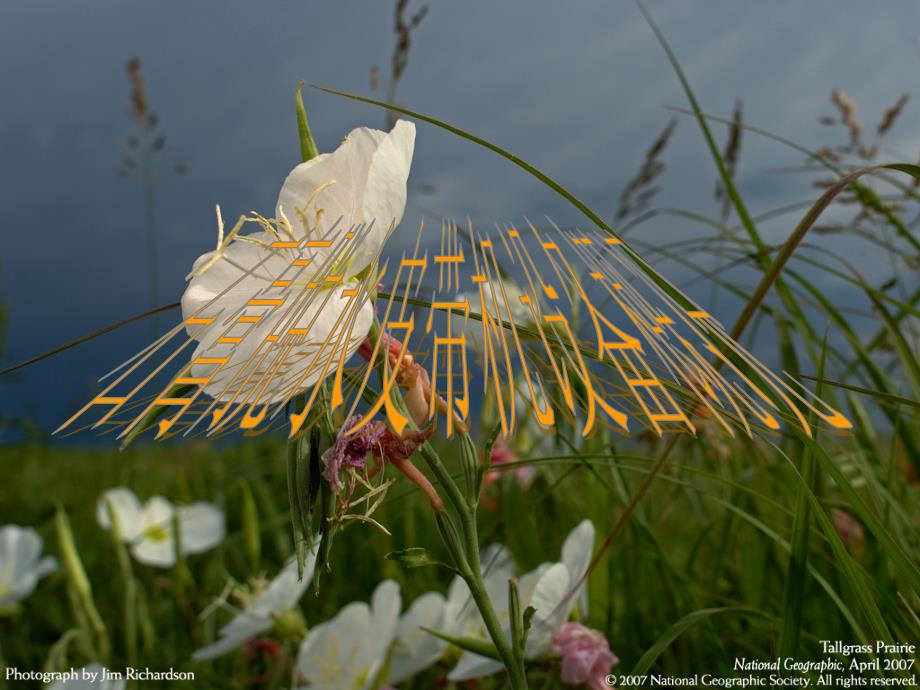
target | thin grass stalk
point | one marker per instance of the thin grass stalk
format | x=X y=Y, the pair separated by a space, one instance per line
x=796 y=573
x=80 y=587
x=129 y=589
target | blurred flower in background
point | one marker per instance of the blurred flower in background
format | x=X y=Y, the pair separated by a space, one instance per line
x=275 y=606
x=849 y=530
x=150 y=529
x=586 y=655
x=20 y=564
x=502 y=300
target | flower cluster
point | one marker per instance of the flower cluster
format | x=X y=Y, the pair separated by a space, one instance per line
x=367 y=645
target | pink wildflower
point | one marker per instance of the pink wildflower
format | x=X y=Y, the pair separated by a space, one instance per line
x=586 y=655
x=503 y=454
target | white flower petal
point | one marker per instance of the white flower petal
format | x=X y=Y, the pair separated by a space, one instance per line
x=227 y=643
x=158 y=513
x=249 y=371
x=385 y=606
x=341 y=176
x=474 y=666
x=286 y=589
x=201 y=526
x=21 y=548
x=20 y=568
x=160 y=554
x=331 y=656
x=127 y=509
x=368 y=173
x=346 y=168
x=155 y=543
x=46 y=566
x=248 y=267
x=460 y=617
x=415 y=648
x=576 y=555
x=548 y=593
x=385 y=193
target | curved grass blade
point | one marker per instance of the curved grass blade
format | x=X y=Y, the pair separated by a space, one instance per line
x=906 y=565
x=878 y=395
x=659 y=280
x=729 y=185
x=662 y=643
x=796 y=573
x=95 y=334
x=802 y=229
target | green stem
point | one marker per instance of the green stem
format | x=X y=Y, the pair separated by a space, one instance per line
x=514 y=666
x=465 y=552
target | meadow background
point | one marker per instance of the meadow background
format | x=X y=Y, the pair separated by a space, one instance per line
x=741 y=548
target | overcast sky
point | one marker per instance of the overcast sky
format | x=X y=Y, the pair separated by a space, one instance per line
x=577 y=88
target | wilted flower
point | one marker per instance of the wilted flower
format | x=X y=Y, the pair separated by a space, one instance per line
x=20 y=564
x=268 y=609
x=351 y=450
x=586 y=655
x=349 y=651
x=362 y=183
x=90 y=678
x=149 y=529
x=547 y=589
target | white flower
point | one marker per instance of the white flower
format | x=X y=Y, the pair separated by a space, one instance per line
x=90 y=678
x=149 y=528
x=359 y=188
x=545 y=589
x=416 y=649
x=20 y=565
x=281 y=595
x=347 y=652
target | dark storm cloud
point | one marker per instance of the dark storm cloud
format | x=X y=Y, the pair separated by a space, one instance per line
x=575 y=88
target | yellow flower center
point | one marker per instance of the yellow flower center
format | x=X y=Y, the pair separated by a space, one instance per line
x=157 y=533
